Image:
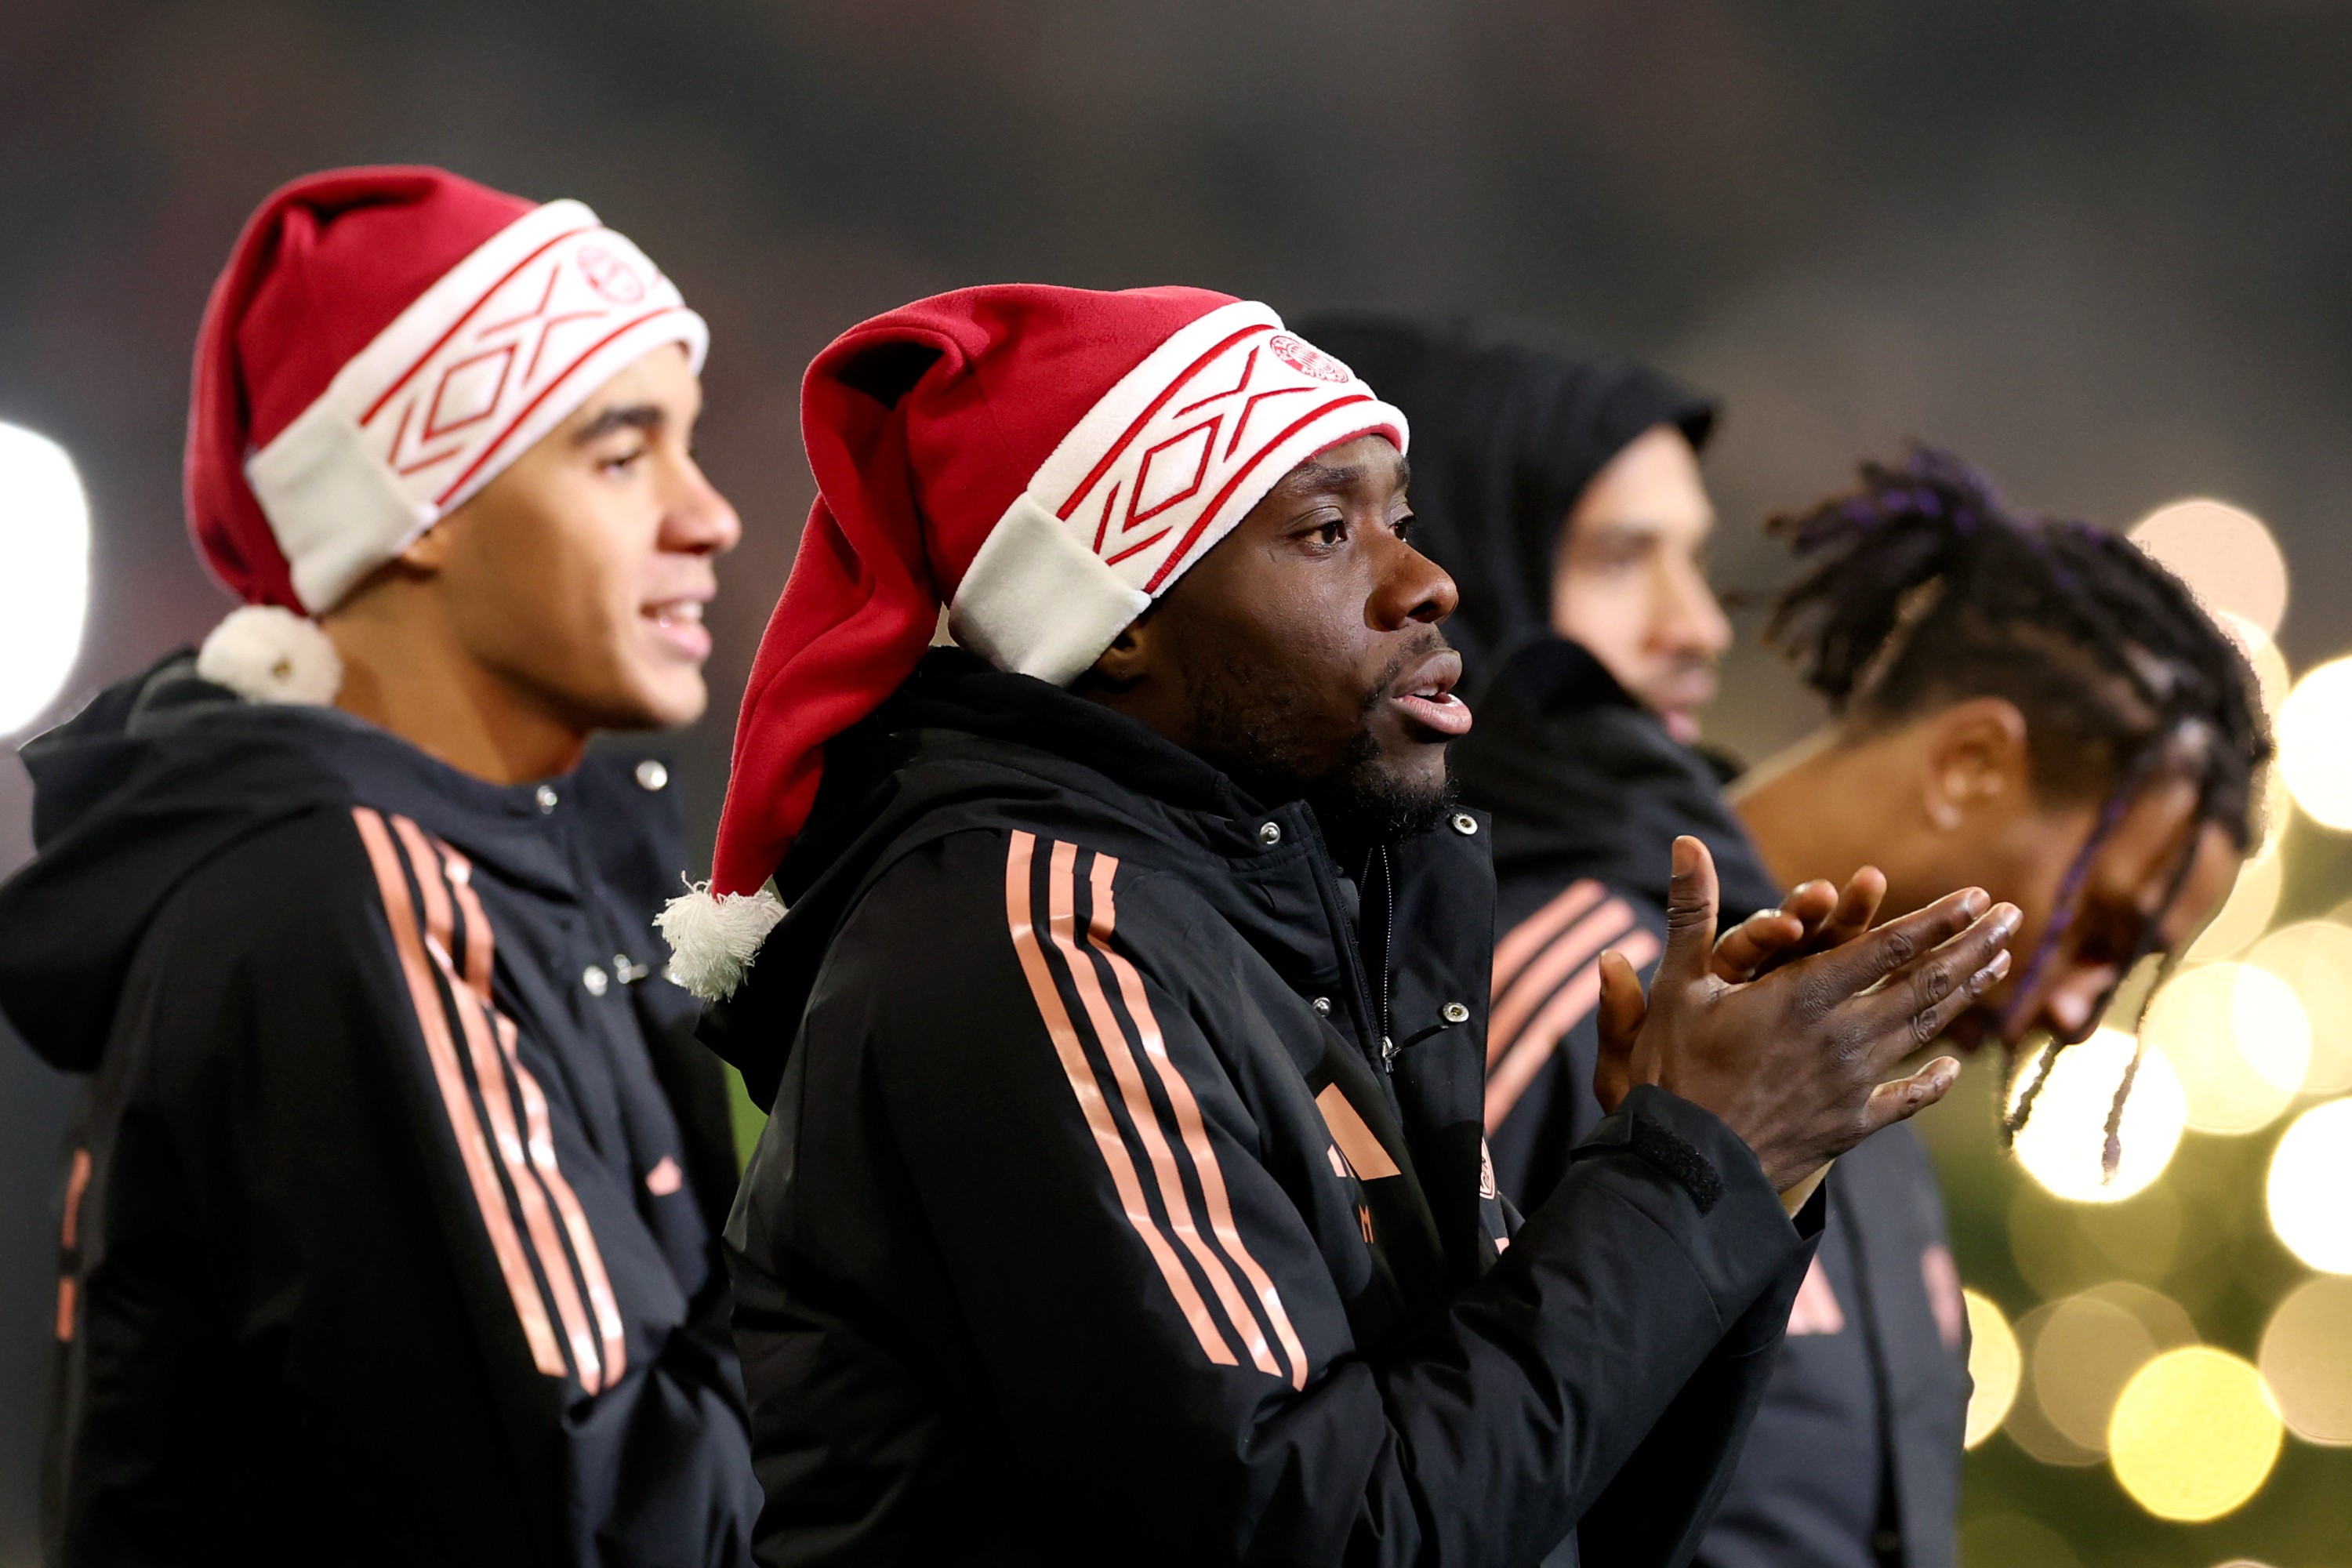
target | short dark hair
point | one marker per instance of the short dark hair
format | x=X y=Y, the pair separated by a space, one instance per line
x=1923 y=587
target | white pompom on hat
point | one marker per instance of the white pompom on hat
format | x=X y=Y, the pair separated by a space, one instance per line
x=266 y=654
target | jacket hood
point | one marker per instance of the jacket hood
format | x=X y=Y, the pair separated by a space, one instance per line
x=164 y=772
x=1505 y=440
x=1578 y=774
x=157 y=777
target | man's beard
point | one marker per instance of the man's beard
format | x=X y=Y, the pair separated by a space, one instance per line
x=1249 y=722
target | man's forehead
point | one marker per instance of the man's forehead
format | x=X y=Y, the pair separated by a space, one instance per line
x=658 y=382
x=1369 y=462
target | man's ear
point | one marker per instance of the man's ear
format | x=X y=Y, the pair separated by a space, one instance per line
x=1128 y=659
x=1978 y=756
x=429 y=550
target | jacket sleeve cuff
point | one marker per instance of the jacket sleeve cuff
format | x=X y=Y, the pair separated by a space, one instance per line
x=1742 y=1236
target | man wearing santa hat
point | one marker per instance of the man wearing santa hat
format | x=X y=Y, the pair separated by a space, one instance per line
x=1124 y=1197
x=389 y=1222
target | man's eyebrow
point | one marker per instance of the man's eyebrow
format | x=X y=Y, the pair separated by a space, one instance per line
x=647 y=416
x=1312 y=475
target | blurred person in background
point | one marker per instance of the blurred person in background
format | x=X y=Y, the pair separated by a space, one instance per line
x=2037 y=706
x=390 y=1221
x=2115 y=850
x=1124 y=1197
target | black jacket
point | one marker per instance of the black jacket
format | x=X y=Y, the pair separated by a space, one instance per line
x=390 y=1215
x=1099 y=1220
x=1854 y=1458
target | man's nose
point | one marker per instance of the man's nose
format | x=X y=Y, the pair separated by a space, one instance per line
x=698 y=519
x=1411 y=588
x=1691 y=619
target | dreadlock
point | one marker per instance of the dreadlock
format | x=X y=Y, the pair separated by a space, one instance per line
x=1923 y=588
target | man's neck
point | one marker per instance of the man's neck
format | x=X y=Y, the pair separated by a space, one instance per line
x=1790 y=804
x=424 y=691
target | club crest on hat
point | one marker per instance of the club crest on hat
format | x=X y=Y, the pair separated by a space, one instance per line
x=610 y=276
x=1307 y=359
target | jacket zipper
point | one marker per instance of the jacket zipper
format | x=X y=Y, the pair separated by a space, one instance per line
x=1388 y=940
x=1351 y=947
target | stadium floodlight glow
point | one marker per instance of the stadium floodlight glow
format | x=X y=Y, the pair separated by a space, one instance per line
x=2224 y=553
x=45 y=593
x=2194 y=1434
x=2310 y=1171
x=2246 y=913
x=2238 y=1040
x=1995 y=1366
x=2315 y=743
x=2063 y=1142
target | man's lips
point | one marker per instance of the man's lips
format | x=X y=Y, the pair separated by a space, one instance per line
x=679 y=622
x=1425 y=696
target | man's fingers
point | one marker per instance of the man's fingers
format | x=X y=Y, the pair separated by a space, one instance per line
x=1811 y=902
x=1906 y=1097
x=1841 y=971
x=1857 y=906
x=1618 y=1019
x=1755 y=941
x=1691 y=898
x=1939 y=1004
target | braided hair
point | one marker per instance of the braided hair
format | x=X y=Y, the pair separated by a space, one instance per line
x=1923 y=588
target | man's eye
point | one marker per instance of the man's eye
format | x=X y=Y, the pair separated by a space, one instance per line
x=620 y=462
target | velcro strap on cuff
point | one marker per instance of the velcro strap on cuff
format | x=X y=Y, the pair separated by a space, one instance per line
x=1661 y=1148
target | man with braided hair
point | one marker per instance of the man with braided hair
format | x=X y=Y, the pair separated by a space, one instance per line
x=2037 y=706
x=2030 y=706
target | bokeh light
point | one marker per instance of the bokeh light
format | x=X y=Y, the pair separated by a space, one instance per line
x=2194 y=1434
x=2029 y=1426
x=2085 y=1351
x=2245 y=914
x=2310 y=1187
x=2315 y=743
x=44 y=593
x=2307 y=1359
x=2060 y=1247
x=2315 y=958
x=2271 y=675
x=2237 y=1039
x=1994 y=1367
x=2166 y=1319
x=2063 y=1142
x=2224 y=553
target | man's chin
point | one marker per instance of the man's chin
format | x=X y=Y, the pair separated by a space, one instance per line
x=1383 y=799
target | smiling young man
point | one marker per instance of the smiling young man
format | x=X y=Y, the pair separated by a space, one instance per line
x=1124 y=1197
x=390 y=1221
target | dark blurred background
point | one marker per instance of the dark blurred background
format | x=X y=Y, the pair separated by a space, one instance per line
x=2100 y=247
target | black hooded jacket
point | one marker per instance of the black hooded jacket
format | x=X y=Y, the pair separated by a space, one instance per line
x=389 y=1224
x=1854 y=1458
x=1124 y=1197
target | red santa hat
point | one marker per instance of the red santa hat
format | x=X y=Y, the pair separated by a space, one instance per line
x=1044 y=462
x=383 y=343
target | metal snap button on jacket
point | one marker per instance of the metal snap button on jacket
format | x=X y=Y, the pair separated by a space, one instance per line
x=652 y=774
